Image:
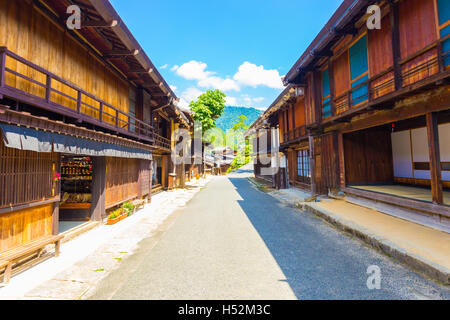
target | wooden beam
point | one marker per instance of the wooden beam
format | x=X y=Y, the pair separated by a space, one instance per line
x=141 y=71
x=120 y=53
x=312 y=163
x=435 y=158
x=99 y=24
x=98 y=188
x=341 y=155
x=395 y=35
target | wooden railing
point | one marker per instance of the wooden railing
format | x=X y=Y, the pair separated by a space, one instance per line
x=419 y=66
x=162 y=142
x=60 y=96
x=298 y=132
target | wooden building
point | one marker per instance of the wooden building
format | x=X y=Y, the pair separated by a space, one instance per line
x=377 y=104
x=85 y=118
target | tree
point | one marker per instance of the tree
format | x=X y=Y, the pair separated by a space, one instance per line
x=208 y=108
x=243 y=146
x=240 y=125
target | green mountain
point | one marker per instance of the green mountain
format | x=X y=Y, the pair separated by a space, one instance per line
x=231 y=114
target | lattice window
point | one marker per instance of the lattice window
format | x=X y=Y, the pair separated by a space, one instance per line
x=25 y=176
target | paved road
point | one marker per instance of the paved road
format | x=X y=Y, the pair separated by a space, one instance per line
x=233 y=241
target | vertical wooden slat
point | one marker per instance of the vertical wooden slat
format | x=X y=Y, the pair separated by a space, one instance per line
x=2 y=65
x=435 y=158
x=395 y=36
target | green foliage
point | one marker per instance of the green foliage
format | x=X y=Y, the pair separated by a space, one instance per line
x=128 y=207
x=208 y=108
x=116 y=213
x=236 y=140
x=231 y=114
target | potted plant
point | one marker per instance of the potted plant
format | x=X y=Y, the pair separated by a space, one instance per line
x=116 y=216
x=129 y=208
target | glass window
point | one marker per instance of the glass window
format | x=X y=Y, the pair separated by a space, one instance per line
x=303 y=166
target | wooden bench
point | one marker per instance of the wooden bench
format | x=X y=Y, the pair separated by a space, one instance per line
x=138 y=203
x=8 y=258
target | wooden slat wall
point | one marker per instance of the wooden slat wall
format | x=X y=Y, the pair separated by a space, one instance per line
x=309 y=100
x=341 y=74
x=330 y=165
x=145 y=167
x=300 y=113
x=418 y=29
x=121 y=180
x=25 y=176
x=24 y=226
x=380 y=48
x=417 y=25
x=368 y=157
x=381 y=57
x=28 y=33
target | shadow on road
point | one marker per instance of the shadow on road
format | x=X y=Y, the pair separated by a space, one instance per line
x=318 y=261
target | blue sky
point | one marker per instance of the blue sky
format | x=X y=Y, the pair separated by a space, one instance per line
x=242 y=47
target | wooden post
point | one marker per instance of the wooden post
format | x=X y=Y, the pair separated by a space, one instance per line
x=312 y=160
x=395 y=35
x=98 y=188
x=2 y=65
x=435 y=158
x=341 y=159
x=79 y=102
x=101 y=112
x=48 y=88
x=293 y=120
x=55 y=219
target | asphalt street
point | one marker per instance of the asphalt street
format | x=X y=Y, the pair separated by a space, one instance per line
x=233 y=241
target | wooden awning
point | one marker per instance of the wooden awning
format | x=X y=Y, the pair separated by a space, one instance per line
x=42 y=141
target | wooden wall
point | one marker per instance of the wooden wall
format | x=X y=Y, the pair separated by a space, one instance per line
x=381 y=58
x=418 y=29
x=329 y=159
x=31 y=35
x=368 y=157
x=121 y=180
x=145 y=177
x=24 y=226
x=299 y=113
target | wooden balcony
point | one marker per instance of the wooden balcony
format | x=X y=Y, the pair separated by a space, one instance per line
x=294 y=135
x=421 y=69
x=162 y=143
x=33 y=85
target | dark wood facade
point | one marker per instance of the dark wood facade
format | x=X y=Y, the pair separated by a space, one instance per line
x=364 y=88
x=96 y=85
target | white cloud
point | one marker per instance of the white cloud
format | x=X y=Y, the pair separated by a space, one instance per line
x=174 y=88
x=196 y=70
x=190 y=94
x=252 y=75
x=174 y=68
x=259 y=99
x=219 y=83
x=193 y=70
x=164 y=66
x=231 y=101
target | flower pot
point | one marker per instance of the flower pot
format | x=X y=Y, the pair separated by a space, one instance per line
x=110 y=222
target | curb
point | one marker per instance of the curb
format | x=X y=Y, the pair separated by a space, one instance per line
x=415 y=262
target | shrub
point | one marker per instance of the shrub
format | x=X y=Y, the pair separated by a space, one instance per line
x=128 y=207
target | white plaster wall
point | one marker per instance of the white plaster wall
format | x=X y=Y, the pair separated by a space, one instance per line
x=401 y=151
x=444 y=146
x=420 y=151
